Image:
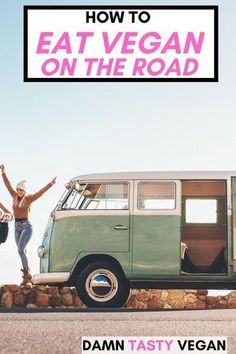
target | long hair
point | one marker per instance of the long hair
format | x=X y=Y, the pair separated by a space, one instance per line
x=20 y=202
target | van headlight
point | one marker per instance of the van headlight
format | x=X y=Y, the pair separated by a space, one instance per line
x=41 y=251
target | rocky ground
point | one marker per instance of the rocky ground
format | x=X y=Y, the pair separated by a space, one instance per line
x=41 y=296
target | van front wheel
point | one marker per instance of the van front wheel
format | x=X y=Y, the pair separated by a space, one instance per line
x=101 y=284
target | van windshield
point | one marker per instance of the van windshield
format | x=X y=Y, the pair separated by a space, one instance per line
x=97 y=196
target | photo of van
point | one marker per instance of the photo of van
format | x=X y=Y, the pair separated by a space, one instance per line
x=111 y=232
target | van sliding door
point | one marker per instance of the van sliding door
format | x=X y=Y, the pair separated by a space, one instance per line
x=156 y=227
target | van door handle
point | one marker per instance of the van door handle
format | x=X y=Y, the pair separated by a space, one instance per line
x=121 y=227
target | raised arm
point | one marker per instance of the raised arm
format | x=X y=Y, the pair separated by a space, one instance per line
x=7 y=183
x=35 y=196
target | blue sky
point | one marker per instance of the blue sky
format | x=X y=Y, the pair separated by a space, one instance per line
x=66 y=129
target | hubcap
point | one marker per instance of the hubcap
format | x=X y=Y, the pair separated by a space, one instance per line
x=101 y=285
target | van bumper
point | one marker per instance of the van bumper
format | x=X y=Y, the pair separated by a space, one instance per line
x=50 y=278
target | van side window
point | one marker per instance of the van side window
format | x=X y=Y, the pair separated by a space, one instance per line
x=75 y=197
x=99 y=197
x=157 y=196
x=201 y=211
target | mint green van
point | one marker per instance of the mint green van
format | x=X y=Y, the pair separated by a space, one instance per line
x=115 y=231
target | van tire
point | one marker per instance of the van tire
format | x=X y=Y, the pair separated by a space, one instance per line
x=115 y=292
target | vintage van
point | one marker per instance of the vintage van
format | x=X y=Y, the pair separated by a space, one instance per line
x=115 y=231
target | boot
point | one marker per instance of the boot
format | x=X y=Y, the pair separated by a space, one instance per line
x=26 y=276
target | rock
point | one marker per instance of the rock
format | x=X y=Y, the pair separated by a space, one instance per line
x=133 y=291
x=11 y=288
x=211 y=300
x=232 y=302
x=31 y=306
x=164 y=295
x=65 y=290
x=178 y=304
x=202 y=292
x=55 y=300
x=132 y=302
x=199 y=305
x=7 y=299
x=42 y=300
x=191 y=291
x=53 y=290
x=233 y=294
x=143 y=295
x=220 y=305
x=175 y=295
x=202 y=297
x=190 y=298
x=31 y=296
x=42 y=288
x=167 y=306
x=157 y=292
x=224 y=298
x=189 y=305
x=18 y=299
x=155 y=302
x=67 y=299
x=142 y=305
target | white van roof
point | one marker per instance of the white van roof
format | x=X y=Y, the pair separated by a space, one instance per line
x=150 y=175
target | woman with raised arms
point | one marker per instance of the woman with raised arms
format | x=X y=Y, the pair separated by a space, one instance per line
x=21 y=208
